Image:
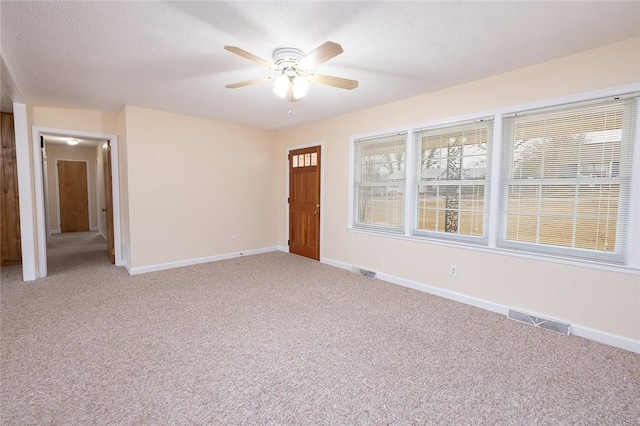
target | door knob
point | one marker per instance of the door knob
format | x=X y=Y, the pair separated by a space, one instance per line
x=317 y=209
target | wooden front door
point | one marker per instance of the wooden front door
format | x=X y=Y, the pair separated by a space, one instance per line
x=108 y=200
x=10 y=243
x=74 y=197
x=304 y=202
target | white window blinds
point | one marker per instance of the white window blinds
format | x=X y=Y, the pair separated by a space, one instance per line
x=452 y=179
x=566 y=176
x=380 y=165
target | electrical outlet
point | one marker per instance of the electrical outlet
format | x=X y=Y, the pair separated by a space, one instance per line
x=233 y=239
x=453 y=270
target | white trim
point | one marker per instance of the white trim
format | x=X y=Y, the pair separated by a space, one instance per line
x=41 y=245
x=382 y=133
x=126 y=266
x=91 y=227
x=633 y=248
x=41 y=237
x=197 y=261
x=55 y=231
x=23 y=160
x=115 y=199
x=447 y=294
x=351 y=206
x=577 y=330
x=126 y=257
x=495 y=184
x=331 y=262
x=409 y=215
x=606 y=338
x=322 y=200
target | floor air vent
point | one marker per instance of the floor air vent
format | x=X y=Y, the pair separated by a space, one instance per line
x=548 y=324
x=366 y=273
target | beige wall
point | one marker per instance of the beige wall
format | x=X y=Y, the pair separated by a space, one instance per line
x=193 y=183
x=604 y=301
x=72 y=119
x=77 y=153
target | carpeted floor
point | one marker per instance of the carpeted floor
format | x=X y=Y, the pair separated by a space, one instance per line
x=280 y=339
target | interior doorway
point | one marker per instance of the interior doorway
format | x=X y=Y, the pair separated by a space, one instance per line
x=74 y=197
x=40 y=159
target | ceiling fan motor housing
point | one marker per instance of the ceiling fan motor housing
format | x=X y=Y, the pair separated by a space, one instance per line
x=286 y=58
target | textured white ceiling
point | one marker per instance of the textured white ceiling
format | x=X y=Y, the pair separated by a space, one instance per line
x=169 y=55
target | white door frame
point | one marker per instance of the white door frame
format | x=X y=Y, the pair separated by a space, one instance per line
x=39 y=190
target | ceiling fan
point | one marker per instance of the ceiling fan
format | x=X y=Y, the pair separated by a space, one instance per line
x=293 y=70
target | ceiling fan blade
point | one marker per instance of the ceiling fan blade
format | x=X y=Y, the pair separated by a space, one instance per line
x=322 y=54
x=329 y=80
x=248 y=82
x=249 y=56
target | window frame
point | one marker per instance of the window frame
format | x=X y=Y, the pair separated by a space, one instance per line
x=494 y=204
x=485 y=183
x=355 y=183
x=619 y=254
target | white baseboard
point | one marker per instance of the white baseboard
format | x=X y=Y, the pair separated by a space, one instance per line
x=335 y=263
x=127 y=266
x=606 y=338
x=577 y=330
x=57 y=231
x=189 y=262
x=447 y=294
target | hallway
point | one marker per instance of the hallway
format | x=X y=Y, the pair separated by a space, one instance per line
x=76 y=250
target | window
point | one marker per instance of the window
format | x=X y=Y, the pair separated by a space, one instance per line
x=452 y=180
x=560 y=184
x=566 y=180
x=379 y=178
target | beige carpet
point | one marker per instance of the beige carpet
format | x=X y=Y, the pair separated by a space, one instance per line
x=279 y=339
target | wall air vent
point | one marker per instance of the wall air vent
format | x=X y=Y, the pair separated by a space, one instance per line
x=546 y=323
x=361 y=271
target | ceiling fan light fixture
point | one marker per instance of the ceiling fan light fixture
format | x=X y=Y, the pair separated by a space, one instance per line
x=300 y=85
x=292 y=67
x=281 y=86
